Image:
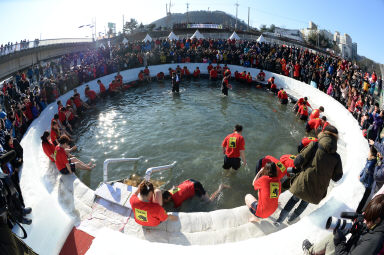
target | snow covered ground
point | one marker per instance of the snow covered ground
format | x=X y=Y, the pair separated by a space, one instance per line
x=60 y=202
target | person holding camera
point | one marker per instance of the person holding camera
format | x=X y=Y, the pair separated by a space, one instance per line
x=367 y=234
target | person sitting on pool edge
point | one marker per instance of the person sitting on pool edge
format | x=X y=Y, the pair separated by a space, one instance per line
x=269 y=188
x=186 y=190
x=64 y=161
x=147 y=207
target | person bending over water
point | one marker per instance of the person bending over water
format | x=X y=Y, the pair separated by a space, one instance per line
x=187 y=190
x=268 y=186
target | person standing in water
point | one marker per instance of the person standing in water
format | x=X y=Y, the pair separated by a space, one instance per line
x=175 y=83
x=234 y=149
x=225 y=83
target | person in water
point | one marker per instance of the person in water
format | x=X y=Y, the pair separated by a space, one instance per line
x=188 y=189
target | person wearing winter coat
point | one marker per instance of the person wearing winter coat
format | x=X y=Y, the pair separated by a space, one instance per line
x=366 y=177
x=319 y=164
x=315 y=167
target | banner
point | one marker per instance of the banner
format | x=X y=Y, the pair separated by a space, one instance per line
x=214 y=26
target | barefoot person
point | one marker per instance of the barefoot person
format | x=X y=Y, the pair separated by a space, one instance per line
x=269 y=187
x=187 y=190
x=65 y=162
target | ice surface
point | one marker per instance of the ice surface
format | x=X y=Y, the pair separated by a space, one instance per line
x=60 y=202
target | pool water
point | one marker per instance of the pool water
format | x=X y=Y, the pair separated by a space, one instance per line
x=150 y=121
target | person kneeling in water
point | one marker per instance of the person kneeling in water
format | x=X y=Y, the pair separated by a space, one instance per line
x=187 y=190
x=283 y=96
x=269 y=187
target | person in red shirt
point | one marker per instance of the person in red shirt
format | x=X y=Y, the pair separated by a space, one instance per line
x=268 y=186
x=283 y=96
x=274 y=88
x=209 y=68
x=281 y=169
x=270 y=82
x=234 y=148
x=249 y=78
x=186 y=72
x=196 y=73
x=303 y=100
x=65 y=165
x=147 y=75
x=314 y=124
x=303 y=112
x=102 y=87
x=160 y=76
x=213 y=74
x=48 y=147
x=55 y=132
x=146 y=205
x=316 y=113
x=237 y=76
x=261 y=76
x=243 y=77
x=90 y=94
x=225 y=84
x=187 y=190
x=305 y=141
x=296 y=72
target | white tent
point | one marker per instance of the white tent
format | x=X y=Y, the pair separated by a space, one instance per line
x=261 y=39
x=234 y=36
x=125 y=40
x=147 y=38
x=172 y=36
x=197 y=35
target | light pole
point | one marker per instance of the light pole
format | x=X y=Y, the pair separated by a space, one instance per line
x=90 y=26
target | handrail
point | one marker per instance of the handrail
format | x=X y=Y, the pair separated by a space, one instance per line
x=152 y=170
x=116 y=160
x=8 y=49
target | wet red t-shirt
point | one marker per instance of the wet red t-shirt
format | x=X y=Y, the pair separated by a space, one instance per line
x=280 y=168
x=234 y=143
x=147 y=213
x=182 y=192
x=269 y=192
x=61 y=158
x=307 y=140
x=315 y=114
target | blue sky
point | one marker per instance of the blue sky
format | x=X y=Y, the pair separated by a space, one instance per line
x=30 y=19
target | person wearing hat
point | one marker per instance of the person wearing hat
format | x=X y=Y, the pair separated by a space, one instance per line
x=315 y=166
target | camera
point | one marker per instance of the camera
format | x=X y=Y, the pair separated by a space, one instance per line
x=349 y=222
x=12 y=210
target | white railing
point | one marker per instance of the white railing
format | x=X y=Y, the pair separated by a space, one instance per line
x=152 y=170
x=8 y=49
x=116 y=160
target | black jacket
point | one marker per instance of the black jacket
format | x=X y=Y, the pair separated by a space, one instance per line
x=370 y=242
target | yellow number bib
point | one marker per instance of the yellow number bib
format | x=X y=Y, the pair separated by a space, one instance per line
x=141 y=215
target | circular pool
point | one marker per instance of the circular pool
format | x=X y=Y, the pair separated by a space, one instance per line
x=150 y=121
x=60 y=202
